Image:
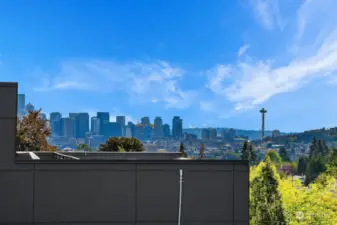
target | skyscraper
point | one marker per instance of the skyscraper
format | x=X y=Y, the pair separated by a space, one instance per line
x=29 y=107
x=212 y=134
x=21 y=105
x=158 y=127
x=145 y=120
x=83 y=124
x=55 y=123
x=177 y=128
x=95 y=125
x=73 y=116
x=67 y=127
x=166 y=130
x=104 y=118
x=132 y=128
x=114 y=129
x=205 y=134
x=121 y=121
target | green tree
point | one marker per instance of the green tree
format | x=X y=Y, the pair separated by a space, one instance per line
x=32 y=133
x=313 y=150
x=266 y=204
x=284 y=154
x=83 y=147
x=273 y=156
x=252 y=154
x=302 y=165
x=245 y=151
x=332 y=163
x=315 y=167
x=182 y=150
x=115 y=144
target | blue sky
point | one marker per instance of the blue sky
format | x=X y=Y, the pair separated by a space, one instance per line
x=214 y=63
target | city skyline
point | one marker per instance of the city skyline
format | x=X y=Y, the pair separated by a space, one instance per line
x=217 y=69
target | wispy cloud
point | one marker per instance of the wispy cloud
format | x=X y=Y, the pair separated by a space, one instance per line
x=243 y=50
x=267 y=13
x=142 y=81
x=248 y=83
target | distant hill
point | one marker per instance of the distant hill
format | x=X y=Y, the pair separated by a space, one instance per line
x=251 y=134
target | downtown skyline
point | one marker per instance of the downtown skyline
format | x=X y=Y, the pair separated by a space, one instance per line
x=215 y=70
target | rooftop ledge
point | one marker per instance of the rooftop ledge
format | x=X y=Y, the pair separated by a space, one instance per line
x=108 y=157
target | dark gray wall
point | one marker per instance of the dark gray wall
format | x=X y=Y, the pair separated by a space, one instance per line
x=119 y=193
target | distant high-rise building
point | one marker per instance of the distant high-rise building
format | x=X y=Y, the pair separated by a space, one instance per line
x=121 y=121
x=166 y=130
x=74 y=117
x=158 y=127
x=212 y=134
x=132 y=128
x=128 y=132
x=43 y=116
x=67 y=127
x=177 y=128
x=205 y=134
x=276 y=133
x=104 y=118
x=55 y=123
x=95 y=125
x=145 y=120
x=83 y=124
x=139 y=132
x=29 y=107
x=21 y=105
x=114 y=129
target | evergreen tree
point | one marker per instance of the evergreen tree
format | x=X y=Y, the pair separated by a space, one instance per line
x=320 y=148
x=302 y=165
x=273 y=156
x=182 y=150
x=315 y=167
x=245 y=151
x=252 y=154
x=266 y=204
x=284 y=155
x=313 y=148
x=326 y=149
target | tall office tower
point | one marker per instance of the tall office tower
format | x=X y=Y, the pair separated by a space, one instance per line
x=205 y=133
x=114 y=129
x=145 y=120
x=55 y=123
x=212 y=134
x=104 y=118
x=132 y=128
x=95 y=125
x=67 y=127
x=158 y=127
x=29 y=107
x=139 y=132
x=43 y=116
x=83 y=124
x=121 y=121
x=177 y=128
x=166 y=130
x=21 y=105
x=128 y=132
x=74 y=117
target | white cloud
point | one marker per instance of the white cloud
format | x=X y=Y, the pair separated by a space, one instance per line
x=143 y=81
x=267 y=13
x=243 y=50
x=251 y=83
